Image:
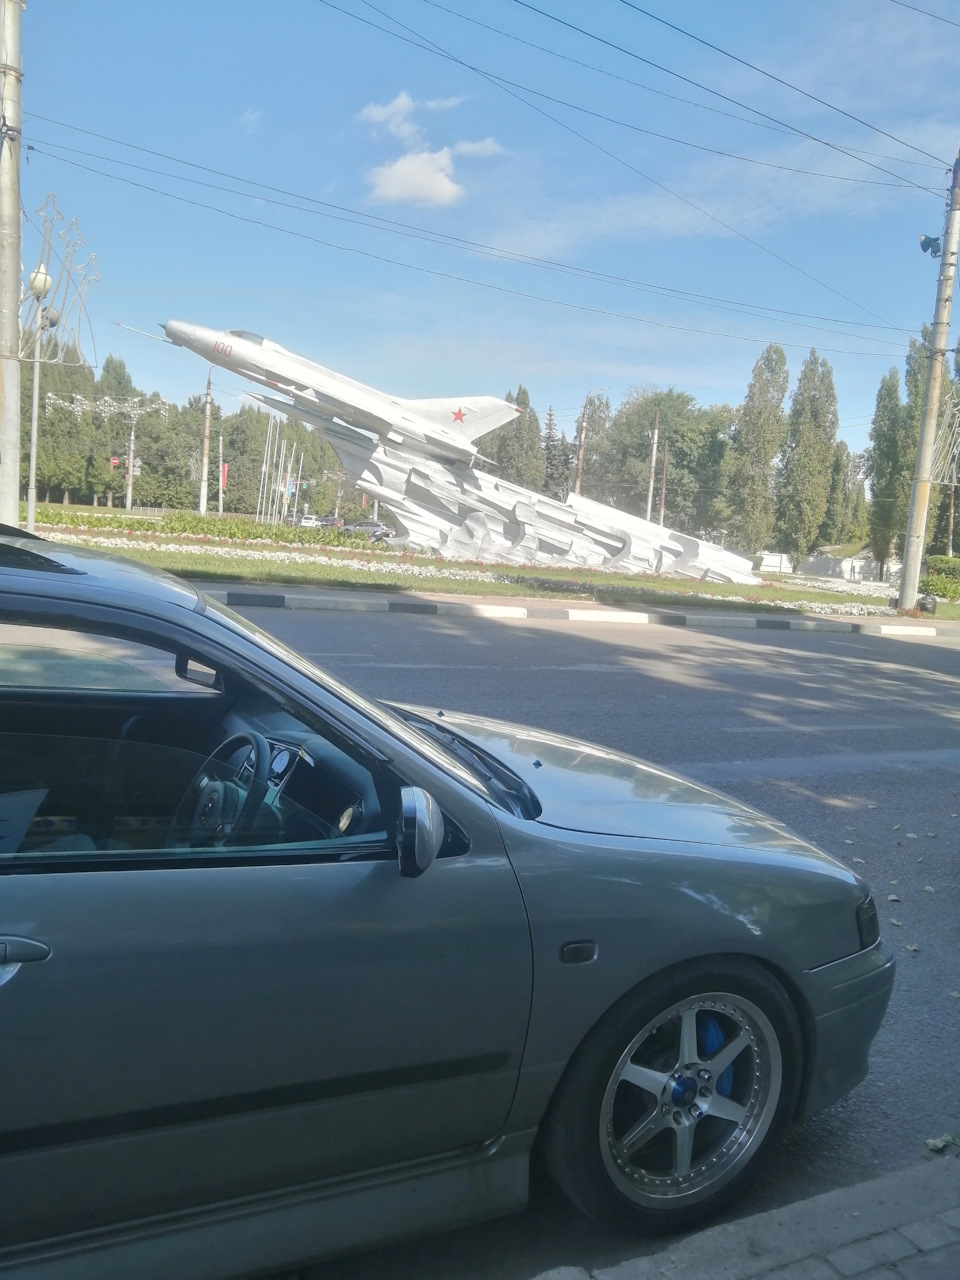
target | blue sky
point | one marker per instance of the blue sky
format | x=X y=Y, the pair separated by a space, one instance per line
x=357 y=127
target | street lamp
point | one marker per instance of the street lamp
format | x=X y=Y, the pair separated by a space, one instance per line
x=47 y=318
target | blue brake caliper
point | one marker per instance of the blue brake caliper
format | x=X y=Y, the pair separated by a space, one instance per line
x=710 y=1039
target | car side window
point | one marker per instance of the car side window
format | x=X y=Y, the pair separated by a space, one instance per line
x=69 y=795
x=113 y=750
x=36 y=658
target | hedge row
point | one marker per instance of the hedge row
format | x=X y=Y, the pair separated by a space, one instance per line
x=241 y=528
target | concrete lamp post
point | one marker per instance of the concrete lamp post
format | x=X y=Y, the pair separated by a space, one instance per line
x=40 y=283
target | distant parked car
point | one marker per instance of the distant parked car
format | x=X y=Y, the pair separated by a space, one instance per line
x=330 y=522
x=375 y=530
x=309 y=522
x=286 y=972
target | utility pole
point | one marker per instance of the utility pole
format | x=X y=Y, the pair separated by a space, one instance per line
x=663 y=481
x=11 y=76
x=205 y=457
x=920 y=493
x=220 y=486
x=653 y=463
x=129 y=503
x=582 y=446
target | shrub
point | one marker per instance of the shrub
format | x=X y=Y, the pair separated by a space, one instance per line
x=940 y=584
x=944 y=566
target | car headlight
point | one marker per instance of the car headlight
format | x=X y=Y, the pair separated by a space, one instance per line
x=868 y=923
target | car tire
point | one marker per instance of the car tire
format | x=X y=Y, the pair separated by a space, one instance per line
x=644 y=1132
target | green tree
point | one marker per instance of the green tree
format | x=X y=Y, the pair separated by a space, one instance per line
x=845 y=517
x=758 y=436
x=114 y=380
x=593 y=424
x=803 y=483
x=885 y=469
x=517 y=448
x=695 y=440
x=556 y=455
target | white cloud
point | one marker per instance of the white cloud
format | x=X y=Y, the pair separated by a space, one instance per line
x=442 y=104
x=419 y=177
x=396 y=117
x=250 y=119
x=485 y=147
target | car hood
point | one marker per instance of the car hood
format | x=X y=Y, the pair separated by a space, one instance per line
x=588 y=788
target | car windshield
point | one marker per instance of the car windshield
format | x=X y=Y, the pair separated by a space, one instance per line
x=470 y=773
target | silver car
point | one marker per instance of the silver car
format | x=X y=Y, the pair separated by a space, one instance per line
x=285 y=972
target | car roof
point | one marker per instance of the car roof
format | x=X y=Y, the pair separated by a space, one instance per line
x=33 y=566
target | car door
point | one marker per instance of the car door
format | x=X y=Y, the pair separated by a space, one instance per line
x=182 y=1029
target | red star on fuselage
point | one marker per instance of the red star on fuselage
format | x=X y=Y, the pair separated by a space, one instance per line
x=458 y=416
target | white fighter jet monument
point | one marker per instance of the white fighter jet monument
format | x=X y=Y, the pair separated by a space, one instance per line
x=416 y=457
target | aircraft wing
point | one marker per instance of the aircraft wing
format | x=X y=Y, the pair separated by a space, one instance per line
x=471 y=416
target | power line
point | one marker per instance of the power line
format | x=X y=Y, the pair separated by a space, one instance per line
x=715 y=151
x=926 y=12
x=497 y=255
x=430 y=47
x=590 y=35
x=603 y=71
x=376 y=222
x=637 y=84
x=778 y=79
x=448 y=275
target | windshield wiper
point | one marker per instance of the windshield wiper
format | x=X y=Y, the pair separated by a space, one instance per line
x=511 y=790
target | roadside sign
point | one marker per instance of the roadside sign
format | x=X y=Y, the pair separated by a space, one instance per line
x=114 y=462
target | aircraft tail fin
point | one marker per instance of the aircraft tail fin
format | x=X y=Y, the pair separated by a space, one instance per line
x=472 y=416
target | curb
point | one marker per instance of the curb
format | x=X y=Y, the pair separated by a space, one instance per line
x=554 y=613
x=855 y=1231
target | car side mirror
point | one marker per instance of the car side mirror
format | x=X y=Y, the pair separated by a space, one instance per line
x=420 y=831
x=196 y=672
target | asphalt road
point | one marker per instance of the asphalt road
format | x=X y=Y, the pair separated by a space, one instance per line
x=852 y=740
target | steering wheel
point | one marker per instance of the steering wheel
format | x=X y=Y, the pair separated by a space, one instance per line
x=217 y=811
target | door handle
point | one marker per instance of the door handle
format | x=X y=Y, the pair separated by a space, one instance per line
x=20 y=950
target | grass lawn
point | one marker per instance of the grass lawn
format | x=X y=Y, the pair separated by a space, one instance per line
x=547 y=583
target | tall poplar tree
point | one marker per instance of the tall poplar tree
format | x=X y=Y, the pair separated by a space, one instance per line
x=803 y=484
x=846 y=516
x=757 y=438
x=886 y=469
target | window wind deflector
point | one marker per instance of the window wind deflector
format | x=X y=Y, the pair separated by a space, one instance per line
x=507 y=788
x=16 y=557
x=14 y=531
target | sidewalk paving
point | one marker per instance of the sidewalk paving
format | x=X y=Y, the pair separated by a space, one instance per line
x=363 y=601
x=904 y=1226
